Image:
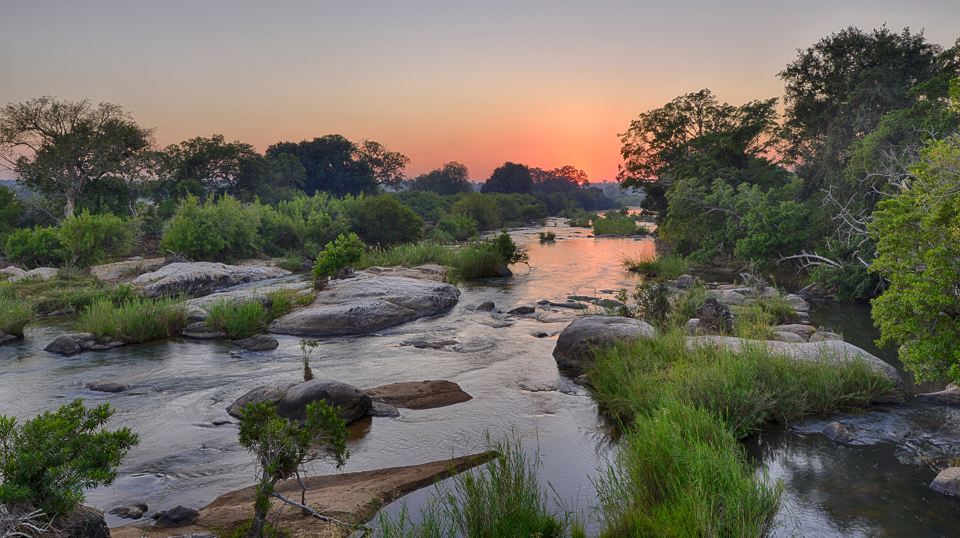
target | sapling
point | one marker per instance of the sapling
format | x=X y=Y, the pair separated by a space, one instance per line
x=307 y=347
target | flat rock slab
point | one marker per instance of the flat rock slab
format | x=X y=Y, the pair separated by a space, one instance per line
x=419 y=394
x=430 y=271
x=106 y=386
x=201 y=278
x=948 y=396
x=292 y=399
x=367 y=304
x=947 y=482
x=577 y=343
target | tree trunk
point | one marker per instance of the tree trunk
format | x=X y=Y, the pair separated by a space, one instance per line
x=71 y=204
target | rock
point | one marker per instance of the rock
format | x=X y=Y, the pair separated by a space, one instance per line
x=816 y=292
x=440 y=344
x=686 y=281
x=258 y=342
x=420 y=394
x=83 y=522
x=715 y=316
x=804 y=331
x=502 y=271
x=367 y=304
x=41 y=273
x=106 y=386
x=728 y=297
x=948 y=396
x=486 y=306
x=824 y=336
x=201 y=331
x=12 y=273
x=580 y=298
x=947 y=482
x=797 y=303
x=608 y=303
x=430 y=271
x=135 y=259
x=838 y=432
x=292 y=399
x=786 y=336
x=200 y=278
x=180 y=516
x=830 y=351
x=69 y=344
x=522 y=310
x=380 y=409
x=569 y=304
x=130 y=511
x=4 y=337
x=575 y=346
x=540 y=335
x=693 y=325
x=769 y=293
x=194 y=313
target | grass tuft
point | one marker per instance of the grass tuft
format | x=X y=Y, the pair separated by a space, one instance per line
x=669 y=266
x=134 y=321
x=15 y=315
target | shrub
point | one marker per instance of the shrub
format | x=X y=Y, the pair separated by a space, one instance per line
x=613 y=223
x=15 y=315
x=50 y=460
x=133 y=321
x=338 y=255
x=65 y=291
x=38 y=247
x=454 y=228
x=89 y=239
x=669 y=266
x=547 y=236
x=384 y=221
x=222 y=229
x=481 y=208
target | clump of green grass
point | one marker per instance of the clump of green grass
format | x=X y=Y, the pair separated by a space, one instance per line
x=406 y=255
x=500 y=499
x=134 y=321
x=476 y=260
x=15 y=315
x=65 y=291
x=547 y=236
x=614 y=223
x=669 y=266
x=237 y=319
x=292 y=263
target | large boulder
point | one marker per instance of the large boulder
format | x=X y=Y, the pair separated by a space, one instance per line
x=201 y=278
x=576 y=343
x=292 y=399
x=69 y=344
x=180 y=516
x=419 y=394
x=947 y=482
x=364 y=305
x=714 y=315
x=727 y=297
x=835 y=352
x=948 y=396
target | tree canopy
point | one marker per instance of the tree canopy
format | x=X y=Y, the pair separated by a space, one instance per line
x=332 y=164
x=451 y=178
x=509 y=178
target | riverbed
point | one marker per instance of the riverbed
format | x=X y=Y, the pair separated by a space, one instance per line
x=188 y=454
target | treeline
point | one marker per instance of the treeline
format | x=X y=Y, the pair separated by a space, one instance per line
x=735 y=184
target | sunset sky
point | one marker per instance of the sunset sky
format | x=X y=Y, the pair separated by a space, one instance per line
x=544 y=83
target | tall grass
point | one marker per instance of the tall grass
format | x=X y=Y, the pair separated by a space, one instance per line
x=617 y=225
x=501 y=499
x=669 y=266
x=136 y=320
x=15 y=315
x=406 y=255
x=476 y=260
x=65 y=291
x=237 y=319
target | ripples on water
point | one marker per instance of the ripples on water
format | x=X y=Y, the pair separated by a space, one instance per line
x=180 y=390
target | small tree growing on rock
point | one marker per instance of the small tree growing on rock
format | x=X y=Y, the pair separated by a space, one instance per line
x=337 y=258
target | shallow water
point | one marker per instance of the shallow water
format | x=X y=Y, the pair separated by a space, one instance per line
x=180 y=390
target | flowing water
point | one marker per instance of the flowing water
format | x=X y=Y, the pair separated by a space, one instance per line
x=189 y=453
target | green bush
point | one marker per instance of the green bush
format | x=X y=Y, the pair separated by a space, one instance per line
x=89 y=239
x=51 y=460
x=39 y=247
x=613 y=223
x=65 y=291
x=481 y=208
x=223 y=229
x=133 y=321
x=452 y=228
x=384 y=221
x=345 y=252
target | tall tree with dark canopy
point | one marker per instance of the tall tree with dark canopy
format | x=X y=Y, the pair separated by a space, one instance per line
x=331 y=165
x=209 y=167
x=564 y=179
x=58 y=148
x=509 y=178
x=387 y=166
x=451 y=178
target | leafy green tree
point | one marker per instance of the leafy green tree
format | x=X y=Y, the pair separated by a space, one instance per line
x=88 y=239
x=337 y=256
x=564 y=179
x=50 y=460
x=509 y=178
x=221 y=229
x=58 y=148
x=10 y=211
x=332 y=164
x=481 y=208
x=387 y=166
x=385 y=221
x=451 y=178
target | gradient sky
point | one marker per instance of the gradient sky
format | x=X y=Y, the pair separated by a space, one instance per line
x=544 y=83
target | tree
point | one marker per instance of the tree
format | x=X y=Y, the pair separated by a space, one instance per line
x=509 y=178
x=332 y=164
x=58 y=148
x=564 y=179
x=451 y=178
x=387 y=166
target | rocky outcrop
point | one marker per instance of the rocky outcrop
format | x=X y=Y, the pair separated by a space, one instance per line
x=258 y=342
x=70 y=344
x=577 y=342
x=948 y=396
x=12 y=274
x=947 y=482
x=714 y=316
x=292 y=399
x=365 y=305
x=419 y=394
x=200 y=278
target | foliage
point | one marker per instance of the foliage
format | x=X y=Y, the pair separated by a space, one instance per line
x=237 y=319
x=385 y=221
x=406 y=255
x=344 y=252
x=387 y=166
x=429 y=205
x=917 y=252
x=88 y=239
x=39 y=247
x=15 y=315
x=452 y=228
x=65 y=291
x=332 y=164
x=282 y=447
x=480 y=208
x=10 y=211
x=221 y=229
x=451 y=178
x=564 y=179
x=651 y=299
x=668 y=266
x=50 y=460
x=546 y=237
x=132 y=321
x=306 y=348
x=612 y=223
x=509 y=177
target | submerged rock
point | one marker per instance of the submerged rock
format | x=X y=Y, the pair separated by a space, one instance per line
x=258 y=342
x=106 y=386
x=522 y=310
x=130 y=511
x=200 y=278
x=420 y=394
x=201 y=331
x=486 y=306
x=380 y=409
x=577 y=342
x=947 y=482
x=70 y=344
x=948 y=396
x=365 y=305
x=838 y=432
x=292 y=399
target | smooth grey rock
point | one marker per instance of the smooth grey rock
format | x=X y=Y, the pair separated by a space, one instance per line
x=353 y=402
x=838 y=432
x=69 y=344
x=42 y=273
x=194 y=313
x=693 y=325
x=502 y=271
x=486 y=306
x=367 y=304
x=831 y=352
x=728 y=297
x=787 y=336
x=429 y=394
x=100 y=385
x=825 y=336
x=804 y=331
x=4 y=337
x=258 y=342
x=130 y=511
x=947 y=482
x=577 y=342
x=714 y=315
x=522 y=310
x=380 y=409
x=769 y=293
x=569 y=304
x=262 y=394
x=686 y=281
x=948 y=396
x=200 y=331
x=12 y=273
x=181 y=516
x=200 y=278
x=609 y=303
x=797 y=303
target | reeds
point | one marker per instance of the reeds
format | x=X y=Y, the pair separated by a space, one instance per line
x=669 y=266
x=133 y=321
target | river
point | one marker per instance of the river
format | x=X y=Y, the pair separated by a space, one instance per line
x=188 y=454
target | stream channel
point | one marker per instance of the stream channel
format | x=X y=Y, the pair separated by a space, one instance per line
x=188 y=452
